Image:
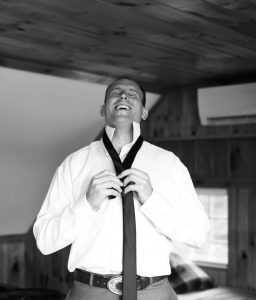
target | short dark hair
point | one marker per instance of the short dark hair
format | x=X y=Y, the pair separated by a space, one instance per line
x=123 y=77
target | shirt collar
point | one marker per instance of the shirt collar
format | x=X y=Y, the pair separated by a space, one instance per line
x=111 y=130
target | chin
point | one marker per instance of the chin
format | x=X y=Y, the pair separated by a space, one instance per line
x=121 y=121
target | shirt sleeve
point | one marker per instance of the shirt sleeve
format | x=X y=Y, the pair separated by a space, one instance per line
x=61 y=217
x=176 y=210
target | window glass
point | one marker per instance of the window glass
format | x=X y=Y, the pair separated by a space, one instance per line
x=215 y=249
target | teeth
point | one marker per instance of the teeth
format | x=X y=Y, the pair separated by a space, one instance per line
x=122 y=106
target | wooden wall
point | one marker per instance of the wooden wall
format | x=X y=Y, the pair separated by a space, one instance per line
x=218 y=274
x=242 y=238
x=22 y=265
x=220 y=156
x=46 y=271
x=12 y=262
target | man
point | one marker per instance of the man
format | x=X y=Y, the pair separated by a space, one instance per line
x=83 y=206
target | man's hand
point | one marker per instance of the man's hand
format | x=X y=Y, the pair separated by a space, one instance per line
x=137 y=181
x=101 y=186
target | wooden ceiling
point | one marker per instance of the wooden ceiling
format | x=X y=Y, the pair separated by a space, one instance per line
x=163 y=43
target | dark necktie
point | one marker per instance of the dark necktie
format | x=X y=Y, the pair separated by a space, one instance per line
x=129 y=226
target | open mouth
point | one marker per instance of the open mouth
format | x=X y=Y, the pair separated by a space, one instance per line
x=122 y=107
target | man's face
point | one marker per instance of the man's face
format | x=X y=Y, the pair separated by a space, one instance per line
x=123 y=104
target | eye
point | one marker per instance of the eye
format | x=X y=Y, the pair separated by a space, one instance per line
x=115 y=92
x=133 y=94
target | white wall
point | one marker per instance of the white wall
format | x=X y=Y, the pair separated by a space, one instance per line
x=42 y=120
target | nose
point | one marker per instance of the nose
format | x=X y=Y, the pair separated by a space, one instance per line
x=123 y=96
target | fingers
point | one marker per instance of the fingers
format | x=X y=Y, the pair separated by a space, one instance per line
x=103 y=185
x=133 y=175
x=134 y=179
x=133 y=171
x=133 y=188
x=106 y=175
x=111 y=192
x=107 y=180
x=137 y=181
x=107 y=183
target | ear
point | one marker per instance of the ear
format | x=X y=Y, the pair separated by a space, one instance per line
x=102 y=110
x=144 y=114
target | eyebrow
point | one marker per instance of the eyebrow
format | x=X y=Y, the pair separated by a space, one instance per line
x=130 y=89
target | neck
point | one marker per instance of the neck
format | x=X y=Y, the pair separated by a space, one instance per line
x=122 y=136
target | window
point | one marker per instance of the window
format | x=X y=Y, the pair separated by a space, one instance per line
x=215 y=249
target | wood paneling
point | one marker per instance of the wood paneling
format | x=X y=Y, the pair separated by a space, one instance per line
x=219 y=275
x=214 y=155
x=162 y=43
x=22 y=265
x=220 y=156
x=242 y=238
x=12 y=260
x=48 y=271
x=242 y=158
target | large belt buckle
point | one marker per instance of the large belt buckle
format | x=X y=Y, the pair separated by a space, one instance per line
x=115 y=285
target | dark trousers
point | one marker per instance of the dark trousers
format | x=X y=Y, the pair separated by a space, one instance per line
x=160 y=290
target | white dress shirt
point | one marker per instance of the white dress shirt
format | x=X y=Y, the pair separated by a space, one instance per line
x=172 y=212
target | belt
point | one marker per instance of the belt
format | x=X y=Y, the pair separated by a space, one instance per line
x=112 y=282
